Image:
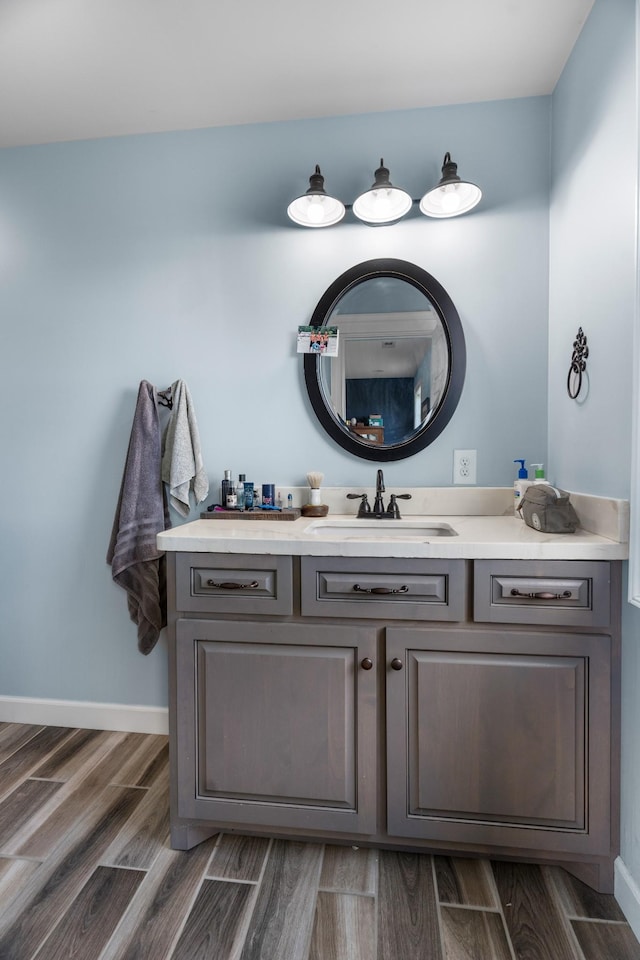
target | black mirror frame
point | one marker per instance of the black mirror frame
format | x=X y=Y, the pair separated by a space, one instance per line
x=435 y=292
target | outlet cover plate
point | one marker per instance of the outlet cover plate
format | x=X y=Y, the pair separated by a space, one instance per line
x=464 y=466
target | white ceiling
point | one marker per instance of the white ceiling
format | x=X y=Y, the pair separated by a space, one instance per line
x=76 y=69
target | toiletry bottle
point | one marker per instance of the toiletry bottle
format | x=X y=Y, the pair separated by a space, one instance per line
x=539 y=473
x=227 y=486
x=230 y=501
x=240 y=492
x=248 y=495
x=520 y=484
x=268 y=494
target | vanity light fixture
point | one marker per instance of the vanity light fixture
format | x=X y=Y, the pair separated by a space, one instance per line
x=383 y=204
x=316 y=208
x=452 y=196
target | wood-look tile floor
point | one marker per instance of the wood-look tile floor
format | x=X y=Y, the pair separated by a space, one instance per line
x=87 y=873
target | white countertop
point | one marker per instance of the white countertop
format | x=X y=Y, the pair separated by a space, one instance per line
x=478 y=537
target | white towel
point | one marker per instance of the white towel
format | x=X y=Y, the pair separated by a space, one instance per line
x=182 y=466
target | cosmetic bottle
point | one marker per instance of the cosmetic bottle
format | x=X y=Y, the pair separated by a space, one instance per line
x=248 y=495
x=226 y=488
x=268 y=494
x=240 y=502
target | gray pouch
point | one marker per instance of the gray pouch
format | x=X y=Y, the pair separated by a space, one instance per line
x=547 y=509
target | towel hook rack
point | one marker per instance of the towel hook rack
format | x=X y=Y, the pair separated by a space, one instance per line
x=165 y=398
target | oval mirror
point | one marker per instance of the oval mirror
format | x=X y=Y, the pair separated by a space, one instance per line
x=399 y=371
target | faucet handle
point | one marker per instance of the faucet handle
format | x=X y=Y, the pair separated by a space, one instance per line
x=392 y=509
x=365 y=507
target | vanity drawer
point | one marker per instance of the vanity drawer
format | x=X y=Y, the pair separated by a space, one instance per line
x=391 y=589
x=567 y=593
x=234 y=583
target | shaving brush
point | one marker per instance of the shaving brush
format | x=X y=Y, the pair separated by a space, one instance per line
x=315 y=508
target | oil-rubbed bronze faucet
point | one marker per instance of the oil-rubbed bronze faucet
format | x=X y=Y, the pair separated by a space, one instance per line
x=391 y=513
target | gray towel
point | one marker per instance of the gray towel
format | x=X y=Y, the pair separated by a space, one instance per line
x=182 y=467
x=136 y=563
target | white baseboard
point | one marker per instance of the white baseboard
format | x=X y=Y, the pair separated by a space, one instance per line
x=78 y=713
x=627 y=893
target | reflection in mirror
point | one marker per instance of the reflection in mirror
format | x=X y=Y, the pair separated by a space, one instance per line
x=393 y=362
x=400 y=367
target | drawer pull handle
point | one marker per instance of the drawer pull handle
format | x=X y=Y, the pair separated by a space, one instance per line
x=396 y=664
x=358 y=589
x=233 y=586
x=367 y=663
x=565 y=595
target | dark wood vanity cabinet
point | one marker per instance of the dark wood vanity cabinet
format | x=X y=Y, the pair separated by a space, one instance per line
x=453 y=715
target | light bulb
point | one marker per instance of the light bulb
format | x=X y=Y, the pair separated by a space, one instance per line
x=384 y=205
x=450 y=198
x=381 y=201
x=315 y=209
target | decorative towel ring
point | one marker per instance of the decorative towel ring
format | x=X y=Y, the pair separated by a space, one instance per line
x=578 y=364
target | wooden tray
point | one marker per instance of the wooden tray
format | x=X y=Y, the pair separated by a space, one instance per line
x=285 y=514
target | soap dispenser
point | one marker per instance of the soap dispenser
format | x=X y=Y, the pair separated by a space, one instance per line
x=539 y=473
x=520 y=484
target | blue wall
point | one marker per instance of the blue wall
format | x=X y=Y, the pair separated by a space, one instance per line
x=593 y=254
x=167 y=256
x=593 y=284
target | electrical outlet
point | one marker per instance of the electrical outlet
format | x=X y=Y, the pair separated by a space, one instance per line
x=464 y=466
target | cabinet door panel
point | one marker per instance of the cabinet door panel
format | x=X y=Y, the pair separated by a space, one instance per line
x=505 y=733
x=292 y=739
x=506 y=740
x=283 y=722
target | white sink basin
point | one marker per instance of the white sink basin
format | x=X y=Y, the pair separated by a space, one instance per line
x=355 y=529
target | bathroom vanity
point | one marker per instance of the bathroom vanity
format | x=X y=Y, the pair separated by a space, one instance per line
x=453 y=694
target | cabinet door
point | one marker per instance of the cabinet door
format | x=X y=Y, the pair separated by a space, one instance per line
x=276 y=725
x=499 y=739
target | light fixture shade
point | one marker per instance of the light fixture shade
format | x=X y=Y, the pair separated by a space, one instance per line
x=316 y=208
x=382 y=203
x=452 y=196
